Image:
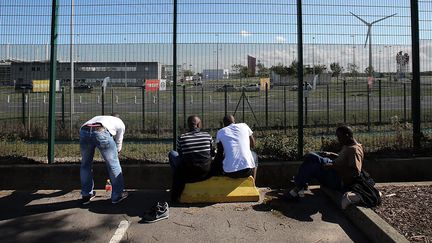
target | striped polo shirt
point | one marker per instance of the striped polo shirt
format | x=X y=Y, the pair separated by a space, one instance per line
x=195 y=147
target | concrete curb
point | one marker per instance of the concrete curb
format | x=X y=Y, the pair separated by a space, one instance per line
x=370 y=223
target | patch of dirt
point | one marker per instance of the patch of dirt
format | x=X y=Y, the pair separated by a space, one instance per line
x=409 y=210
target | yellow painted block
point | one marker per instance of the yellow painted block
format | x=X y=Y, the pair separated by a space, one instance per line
x=221 y=189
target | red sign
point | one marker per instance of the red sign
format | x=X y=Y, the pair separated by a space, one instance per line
x=152 y=85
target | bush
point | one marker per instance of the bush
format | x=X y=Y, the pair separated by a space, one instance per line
x=277 y=147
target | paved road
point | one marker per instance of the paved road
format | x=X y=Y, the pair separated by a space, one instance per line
x=55 y=216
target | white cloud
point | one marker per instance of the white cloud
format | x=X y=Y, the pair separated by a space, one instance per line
x=245 y=33
x=280 y=39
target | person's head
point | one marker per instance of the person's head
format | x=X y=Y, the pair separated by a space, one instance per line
x=228 y=120
x=344 y=135
x=115 y=114
x=194 y=122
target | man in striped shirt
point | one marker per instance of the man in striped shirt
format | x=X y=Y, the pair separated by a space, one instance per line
x=192 y=160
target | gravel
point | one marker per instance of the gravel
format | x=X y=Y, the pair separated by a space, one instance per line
x=408 y=210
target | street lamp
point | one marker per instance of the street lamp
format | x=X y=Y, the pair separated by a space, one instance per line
x=353 y=48
x=313 y=56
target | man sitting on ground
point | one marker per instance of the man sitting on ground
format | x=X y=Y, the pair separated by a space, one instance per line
x=334 y=171
x=192 y=160
x=234 y=156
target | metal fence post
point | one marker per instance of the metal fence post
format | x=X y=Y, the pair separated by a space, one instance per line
x=415 y=83
x=225 y=100
x=243 y=105
x=103 y=100
x=405 y=101
x=28 y=114
x=184 y=107
x=23 y=115
x=300 y=126
x=202 y=103
x=112 y=100
x=143 y=106
x=368 y=107
x=158 y=112
x=266 y=104
x=53 y=78
x=344 y=101
x=285 y=109
x=379 y=101
x=174 y=61
x=306 y=109
x=328 y=108
x=63 y=106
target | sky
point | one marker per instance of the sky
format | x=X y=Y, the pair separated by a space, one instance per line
x=216 y=33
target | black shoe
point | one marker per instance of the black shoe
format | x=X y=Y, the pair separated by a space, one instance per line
x=290 y=196
x=159 y=212
x=86 y=199
x=123 y=196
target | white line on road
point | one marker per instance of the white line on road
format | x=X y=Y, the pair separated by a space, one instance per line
x=121 y=230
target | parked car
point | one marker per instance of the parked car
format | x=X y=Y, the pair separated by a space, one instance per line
x=228 y=87
x=83 y=88
x=23 y=87
x=251 y=87
x=307 y=86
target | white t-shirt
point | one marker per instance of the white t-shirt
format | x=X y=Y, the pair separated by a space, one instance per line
x=114 y=125
x=236 y=144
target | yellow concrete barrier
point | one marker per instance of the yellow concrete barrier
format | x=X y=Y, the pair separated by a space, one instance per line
x=221 y=189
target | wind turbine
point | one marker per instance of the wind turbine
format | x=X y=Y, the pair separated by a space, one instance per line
x=369 y=35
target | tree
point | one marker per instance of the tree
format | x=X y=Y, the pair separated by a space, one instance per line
x=336 y=70
x=263 y=72
x=242 y=70
x=280 y=70
x=353 y=69
x=187 y=72
x=319 y=69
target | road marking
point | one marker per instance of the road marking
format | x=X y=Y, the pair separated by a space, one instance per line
x=121 y=230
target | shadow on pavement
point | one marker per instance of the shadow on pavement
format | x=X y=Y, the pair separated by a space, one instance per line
x=17 y=204
x=305 y=208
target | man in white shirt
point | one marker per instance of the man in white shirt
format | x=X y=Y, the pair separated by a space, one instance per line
x=105 y=133
x=234 y=156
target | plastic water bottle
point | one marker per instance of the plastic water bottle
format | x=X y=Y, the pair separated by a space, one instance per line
x=108 y=186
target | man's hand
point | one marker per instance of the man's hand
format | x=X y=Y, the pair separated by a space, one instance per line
x=330 y=155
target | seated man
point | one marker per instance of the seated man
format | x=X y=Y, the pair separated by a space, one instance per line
x=234 y=157
x=192 y=160
x=331 y=170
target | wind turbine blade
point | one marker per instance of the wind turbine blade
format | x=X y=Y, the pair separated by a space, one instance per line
x=383 y=18
x=366 y=23
x=367 y=35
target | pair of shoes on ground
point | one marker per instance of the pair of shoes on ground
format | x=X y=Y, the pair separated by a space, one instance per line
x=85 y=200
x=158 y=212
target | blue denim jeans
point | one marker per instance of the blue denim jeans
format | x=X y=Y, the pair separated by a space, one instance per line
x=174 y=159
x=312 y=168
x=89 y=141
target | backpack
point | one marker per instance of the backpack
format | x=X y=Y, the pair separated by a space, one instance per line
x=364 y=186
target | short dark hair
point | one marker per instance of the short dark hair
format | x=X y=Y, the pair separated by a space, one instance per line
x=347 y=130
x=193 y=121
x=228 y=120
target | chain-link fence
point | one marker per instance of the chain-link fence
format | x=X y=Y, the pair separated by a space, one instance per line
x=232 y=57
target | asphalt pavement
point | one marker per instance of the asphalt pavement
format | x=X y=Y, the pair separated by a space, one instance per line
x=57 y=216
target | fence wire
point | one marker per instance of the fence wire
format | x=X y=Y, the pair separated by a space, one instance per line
x=226 y=53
